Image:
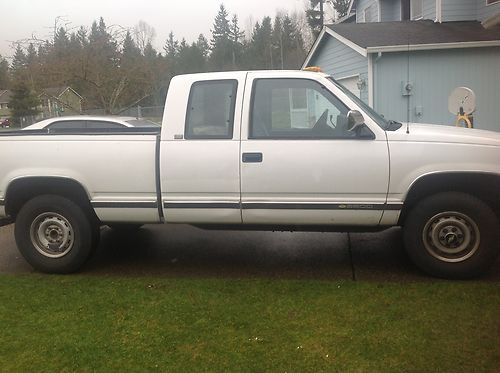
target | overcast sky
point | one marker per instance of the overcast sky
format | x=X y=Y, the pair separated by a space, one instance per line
x=186 y=18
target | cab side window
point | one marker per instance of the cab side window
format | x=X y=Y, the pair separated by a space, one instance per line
x=296 y=109
x=210 y=112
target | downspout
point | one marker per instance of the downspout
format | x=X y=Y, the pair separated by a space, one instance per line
x=439 y=11
x=371 y=73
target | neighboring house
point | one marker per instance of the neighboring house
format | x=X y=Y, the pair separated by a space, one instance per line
x=434 y=45
x=4 y=101
x=60 y=101
x=54 y=102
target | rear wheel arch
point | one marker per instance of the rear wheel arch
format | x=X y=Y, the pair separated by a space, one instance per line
x=482 y=185
x=21 y=190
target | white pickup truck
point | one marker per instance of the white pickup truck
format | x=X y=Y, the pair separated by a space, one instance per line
x=261 y=150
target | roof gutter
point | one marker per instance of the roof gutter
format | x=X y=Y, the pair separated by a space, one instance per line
x=422 y=47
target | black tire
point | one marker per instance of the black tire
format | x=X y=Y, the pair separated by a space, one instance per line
x=54 y=234
x=452 y=235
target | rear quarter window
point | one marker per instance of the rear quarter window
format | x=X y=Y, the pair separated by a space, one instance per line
x=210 y=111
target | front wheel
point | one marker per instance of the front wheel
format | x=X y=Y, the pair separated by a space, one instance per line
x=54 y=234
x=452 y=235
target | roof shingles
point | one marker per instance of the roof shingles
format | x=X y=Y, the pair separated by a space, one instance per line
x=380 y=34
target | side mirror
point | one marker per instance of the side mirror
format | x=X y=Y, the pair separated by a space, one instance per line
x=354 y=120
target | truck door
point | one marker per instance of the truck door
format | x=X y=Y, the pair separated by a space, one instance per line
x=310 y=173
x=200 y=180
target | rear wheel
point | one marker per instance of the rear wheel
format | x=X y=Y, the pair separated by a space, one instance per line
x=54 y=234
x=452 y=235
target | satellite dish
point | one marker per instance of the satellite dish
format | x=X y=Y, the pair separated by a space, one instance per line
x=462 y=101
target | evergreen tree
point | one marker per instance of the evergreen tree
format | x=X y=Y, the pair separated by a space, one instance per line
x=221 y=28
x=293 y=44
x=82 y=36
x=278 y=42
x=221 y=56
x=31 y=55
x=23 y=102
x=236 y=38
x=315 y=16
x=341 y=7
x=4 y=73
x=129 y=49
x=171 y=49
x=61 y=39
x=19 y=61
x=191 y=58
x=203 y=46
x=171 y=46
x=262 y=47
x=150 y=52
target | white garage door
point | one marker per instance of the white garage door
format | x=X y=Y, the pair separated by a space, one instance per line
x=351 y=84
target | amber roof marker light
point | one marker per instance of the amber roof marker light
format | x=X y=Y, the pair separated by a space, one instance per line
x=314 y=69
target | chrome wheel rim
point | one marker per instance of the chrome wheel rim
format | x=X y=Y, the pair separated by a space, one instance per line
x=52 y=235
x=451 y=236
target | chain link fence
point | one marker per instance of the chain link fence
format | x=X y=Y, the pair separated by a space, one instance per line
x=153 y=113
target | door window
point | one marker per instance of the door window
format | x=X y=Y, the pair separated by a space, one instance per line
x=210 y=111
x=296 y=108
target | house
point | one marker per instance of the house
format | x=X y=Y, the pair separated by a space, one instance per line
x=4 y=101
x=60 y=101
x=54 y=102
x=404 y=57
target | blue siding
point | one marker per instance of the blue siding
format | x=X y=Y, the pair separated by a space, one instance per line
x=458 y=10
x=434 y=75
x=429 y=9
x=340 y=61
x=486 y=11
x=362 y=5
x=390 y=10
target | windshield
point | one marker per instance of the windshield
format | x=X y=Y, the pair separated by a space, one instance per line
x=377 y=118
x=142 y=123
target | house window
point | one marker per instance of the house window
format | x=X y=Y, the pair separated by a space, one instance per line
x=489 y=2
x=416 y=9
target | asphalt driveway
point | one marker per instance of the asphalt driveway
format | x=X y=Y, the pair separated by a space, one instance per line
x=181 y=250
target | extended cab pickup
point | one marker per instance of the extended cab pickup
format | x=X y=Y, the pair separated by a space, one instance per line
x=263 y=150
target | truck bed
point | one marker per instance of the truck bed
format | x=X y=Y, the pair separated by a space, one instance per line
x=116 y=167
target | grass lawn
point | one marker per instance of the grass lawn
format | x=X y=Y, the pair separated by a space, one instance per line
x=66 y=323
